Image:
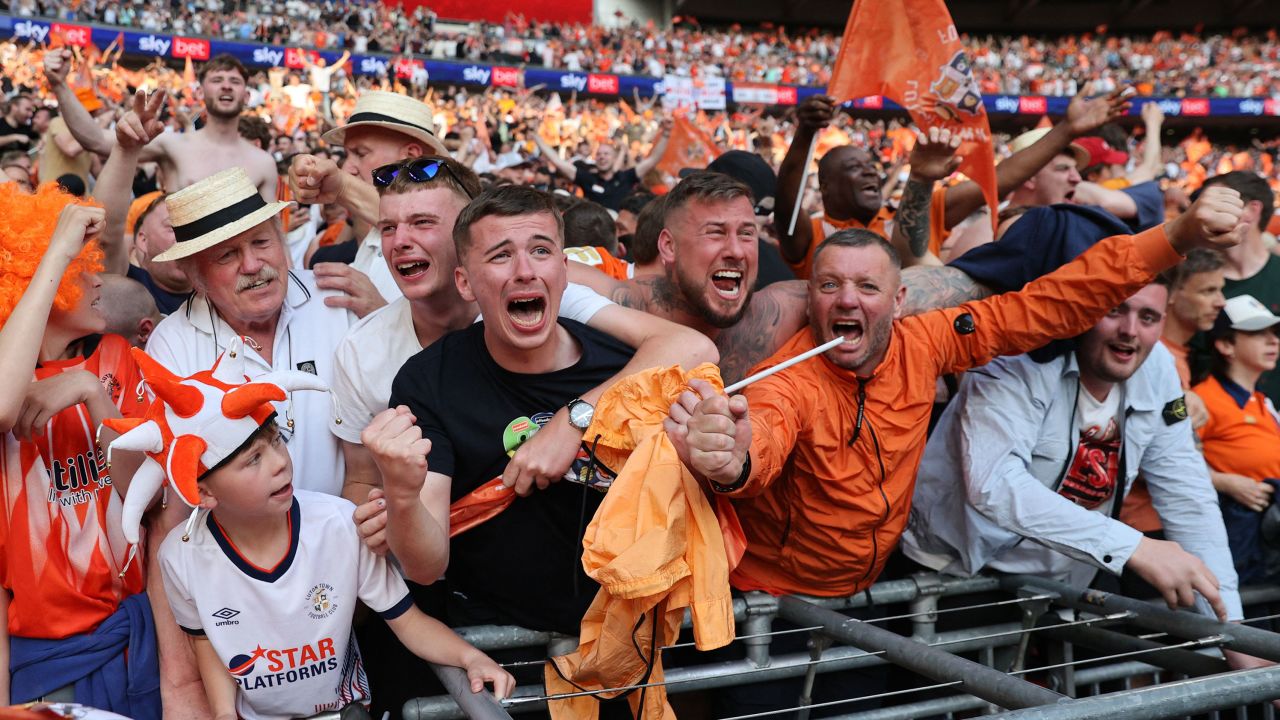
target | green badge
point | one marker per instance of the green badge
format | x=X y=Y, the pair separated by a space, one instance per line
x=518 y=430
x=1175 y=411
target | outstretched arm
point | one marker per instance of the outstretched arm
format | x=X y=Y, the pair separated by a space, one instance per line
x=1084 y=115
x=564 y=167
x=659 y=148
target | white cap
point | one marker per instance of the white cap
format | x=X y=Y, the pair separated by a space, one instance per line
x=1244 y=312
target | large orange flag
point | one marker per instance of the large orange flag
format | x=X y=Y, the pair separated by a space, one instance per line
x=909 y=52
x=689 y=147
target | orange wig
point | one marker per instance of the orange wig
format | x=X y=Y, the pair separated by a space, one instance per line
x=27 y=221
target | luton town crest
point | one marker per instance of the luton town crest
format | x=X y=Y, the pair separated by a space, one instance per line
x=954 y=91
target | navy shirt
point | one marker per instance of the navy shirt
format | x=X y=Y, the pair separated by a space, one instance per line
x=166 y=301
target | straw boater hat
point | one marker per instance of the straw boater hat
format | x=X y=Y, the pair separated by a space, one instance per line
x=392 y=111
x=1028 y=138
x=215 y=209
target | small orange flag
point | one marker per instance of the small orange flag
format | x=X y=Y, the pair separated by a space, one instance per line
x=189 y=75
x=909 y=51
x=689 y=147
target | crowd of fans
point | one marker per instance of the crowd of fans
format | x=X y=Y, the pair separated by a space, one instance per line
x=261 y=239
x=1164 y=64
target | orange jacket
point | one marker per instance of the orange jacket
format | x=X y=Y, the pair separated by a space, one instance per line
x=656 y=547
x=822 y=513
x=600 y=258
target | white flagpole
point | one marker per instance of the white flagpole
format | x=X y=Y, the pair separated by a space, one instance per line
x=804 y=180
x=783 y=365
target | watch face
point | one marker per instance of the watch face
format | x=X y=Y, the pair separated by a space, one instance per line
x=580 y=414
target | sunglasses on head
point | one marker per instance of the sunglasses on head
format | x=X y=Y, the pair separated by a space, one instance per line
x=419 y=170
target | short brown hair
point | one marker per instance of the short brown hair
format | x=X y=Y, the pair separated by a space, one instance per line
x=649 y=224
x=856 y=238
x=222 y=61
x=504 y=201
x=459 y=178
x=703 y=185
x=1198 y=260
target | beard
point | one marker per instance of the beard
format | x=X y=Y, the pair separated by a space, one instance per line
x=690 y=294
x=213 y=111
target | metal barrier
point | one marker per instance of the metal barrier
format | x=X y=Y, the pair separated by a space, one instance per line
x=1182 y=680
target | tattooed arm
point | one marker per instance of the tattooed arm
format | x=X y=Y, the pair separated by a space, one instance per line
x=774 y=315
x=910 y=235
x=929 y=288
x=932 y=158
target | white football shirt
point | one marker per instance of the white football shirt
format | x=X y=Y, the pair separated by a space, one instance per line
x=284 y=632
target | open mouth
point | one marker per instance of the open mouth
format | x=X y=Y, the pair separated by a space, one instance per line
x=283 y=491
x=728 y=283
x=1124 y=353
x=850 y=330
x=411 y=270
x=527 y=312
x=256 y=285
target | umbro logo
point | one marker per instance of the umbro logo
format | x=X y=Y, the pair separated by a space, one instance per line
x=225 y=616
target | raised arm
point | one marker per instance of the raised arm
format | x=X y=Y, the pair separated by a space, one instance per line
x=1084 y=115
x=564 y=167
x=659 y=148
x=20 y=334
x=114 y=187
x=1150 y=166
x=813 y=114
x=315 y=180
x=1070 y=300
x=932 y=158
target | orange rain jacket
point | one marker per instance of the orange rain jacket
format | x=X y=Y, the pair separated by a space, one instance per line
x=821 y=513
x=656 y=547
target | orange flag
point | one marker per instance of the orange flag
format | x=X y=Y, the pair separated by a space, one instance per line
x=189 y=75
x=689 y=147
x=909 y=51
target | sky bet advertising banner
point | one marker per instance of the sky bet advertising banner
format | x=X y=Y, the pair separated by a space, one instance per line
x=176 y=47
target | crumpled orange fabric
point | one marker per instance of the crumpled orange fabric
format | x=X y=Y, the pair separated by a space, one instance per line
x=656 y=546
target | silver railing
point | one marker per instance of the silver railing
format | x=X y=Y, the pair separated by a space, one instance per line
x=983 y=666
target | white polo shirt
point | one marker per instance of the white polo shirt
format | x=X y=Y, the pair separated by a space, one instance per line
x=191 y=339
x=375 y=348
x=284 y=633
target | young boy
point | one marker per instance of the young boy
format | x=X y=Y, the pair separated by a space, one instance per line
x=267 y=581
x=75 y=625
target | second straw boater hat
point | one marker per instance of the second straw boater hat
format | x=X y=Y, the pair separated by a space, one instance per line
x=392 y=111
x=213 y=210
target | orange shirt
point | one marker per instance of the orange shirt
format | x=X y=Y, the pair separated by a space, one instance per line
x=1243 y=441
x=60 y=527
x=824 y=225
x=599 y=258
x=821 y=513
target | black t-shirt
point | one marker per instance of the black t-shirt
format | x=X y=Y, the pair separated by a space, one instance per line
x=524 y=566
x=7 y=129
x=772 y=268
x=166 y=301
x=609 y=193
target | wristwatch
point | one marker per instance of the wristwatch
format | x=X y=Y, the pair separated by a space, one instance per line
x=581 y=413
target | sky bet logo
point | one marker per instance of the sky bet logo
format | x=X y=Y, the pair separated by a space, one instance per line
x=476 y=74
x=373 y=66
x=30 y=30
x=276 y=668
x=267 y=56
x=154 y=44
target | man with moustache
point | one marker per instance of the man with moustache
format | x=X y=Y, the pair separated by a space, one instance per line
x=185 y=157
x=849 y=427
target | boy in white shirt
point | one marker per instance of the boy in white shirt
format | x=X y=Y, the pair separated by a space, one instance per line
x=265 y=578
